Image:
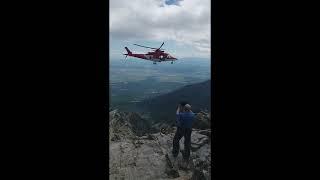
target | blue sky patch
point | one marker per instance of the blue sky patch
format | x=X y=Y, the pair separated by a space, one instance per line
x=172 y=2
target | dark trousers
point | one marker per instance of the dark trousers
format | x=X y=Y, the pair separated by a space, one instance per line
x=186 y=132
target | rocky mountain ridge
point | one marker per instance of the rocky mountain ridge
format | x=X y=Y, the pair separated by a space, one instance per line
x=139 y=151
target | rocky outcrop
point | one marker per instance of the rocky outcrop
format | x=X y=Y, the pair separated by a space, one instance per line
x=202 y=120
x=143 y=156
x=126 y=125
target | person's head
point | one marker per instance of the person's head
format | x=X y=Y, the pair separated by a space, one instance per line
x=187 y=107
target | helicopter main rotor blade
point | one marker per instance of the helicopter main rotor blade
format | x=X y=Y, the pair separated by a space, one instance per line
x=145 y=46
x=161 y=45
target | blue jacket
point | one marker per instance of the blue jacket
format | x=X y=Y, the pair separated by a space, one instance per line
x=185 y=119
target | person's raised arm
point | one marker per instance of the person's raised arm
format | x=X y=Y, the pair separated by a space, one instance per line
x=178 y=109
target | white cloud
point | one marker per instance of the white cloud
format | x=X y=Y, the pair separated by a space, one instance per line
x=187 y=24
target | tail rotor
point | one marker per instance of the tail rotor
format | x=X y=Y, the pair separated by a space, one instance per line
x=128 y=51
x=126 y=56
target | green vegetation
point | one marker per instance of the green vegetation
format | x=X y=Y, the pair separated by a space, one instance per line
x=133 y=81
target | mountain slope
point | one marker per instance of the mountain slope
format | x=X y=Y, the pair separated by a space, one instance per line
x=162 y=108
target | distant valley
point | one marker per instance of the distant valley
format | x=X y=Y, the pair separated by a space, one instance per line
x=133 y=81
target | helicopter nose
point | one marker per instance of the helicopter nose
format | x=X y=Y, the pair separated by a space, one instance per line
x=171 y=57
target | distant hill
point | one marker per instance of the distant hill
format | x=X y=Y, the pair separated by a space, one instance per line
x=162 y=108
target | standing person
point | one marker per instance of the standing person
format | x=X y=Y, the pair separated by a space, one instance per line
x=185 y=118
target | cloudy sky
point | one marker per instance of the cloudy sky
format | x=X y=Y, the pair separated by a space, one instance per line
x=184 y=26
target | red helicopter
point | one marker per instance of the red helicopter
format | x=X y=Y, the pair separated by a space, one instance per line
x=156 y=56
